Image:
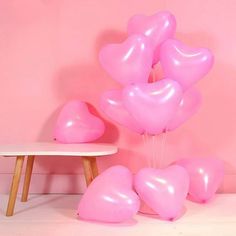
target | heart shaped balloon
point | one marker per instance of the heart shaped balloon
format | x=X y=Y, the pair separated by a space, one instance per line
x=206 y=175
x=188 y=106
x=112 y=105
x=158 y=28
x=128 y=62
x=153 y=104
x=110 y=197
x=184 y=64
x=75 y=124
x=163 y=190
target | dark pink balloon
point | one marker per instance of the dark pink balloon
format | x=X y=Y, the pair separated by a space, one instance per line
x=112 y=105
x=206 y=175
x=153 y=104
x=163 y=190
x=110 y=197
x=158 y=28
x=184 y=64
x=128 y=62
x=188 y=106
x=75 y=124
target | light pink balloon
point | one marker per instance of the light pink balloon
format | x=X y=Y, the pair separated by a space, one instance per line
x=153 y=104
x=75 y=124
x=112 y=105
x=184 y=64
x=110 y=197
x=128 y=62
x=206 y=175
x=188 y=106
x=163 y=190
x=158 y=28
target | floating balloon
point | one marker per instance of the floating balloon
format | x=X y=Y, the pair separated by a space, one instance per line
x=112 y=105
x=75 y=124
x=128 y=62
x=184 y=64
x=206 y=175
x=163 y=190
x=110 y=197
x=188 y=106
x=153 y=104
x=158 y=28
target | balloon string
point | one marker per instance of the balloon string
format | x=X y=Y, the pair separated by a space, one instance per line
x=157 y=147
x=146 y=141
x=156 y=151
x=150 y=156
x=153 y=151
x=163 y=146
x=150 y=150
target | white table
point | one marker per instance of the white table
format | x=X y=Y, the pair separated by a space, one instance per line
x=87 y=151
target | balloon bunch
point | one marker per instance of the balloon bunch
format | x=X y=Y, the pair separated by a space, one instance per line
x=163 y=105
x=116 y=195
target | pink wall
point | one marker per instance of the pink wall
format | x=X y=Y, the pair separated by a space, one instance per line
x=48 y=55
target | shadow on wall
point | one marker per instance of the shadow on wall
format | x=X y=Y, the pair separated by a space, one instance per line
x=78 y=82
x=107 y=37
x=73 y=82
x=197 y=39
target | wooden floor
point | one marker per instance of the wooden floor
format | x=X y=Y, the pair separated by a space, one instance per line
x=56 y=215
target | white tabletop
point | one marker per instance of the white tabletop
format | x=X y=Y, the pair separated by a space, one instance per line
x=57 y=149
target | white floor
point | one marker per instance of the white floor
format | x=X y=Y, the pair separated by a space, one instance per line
x=56 y=215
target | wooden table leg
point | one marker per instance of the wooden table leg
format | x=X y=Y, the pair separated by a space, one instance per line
x=15 y=185
x=94 y=167
x=28 y=174
x=90 y=169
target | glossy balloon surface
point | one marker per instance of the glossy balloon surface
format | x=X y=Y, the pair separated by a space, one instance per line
x=188 y=106
x=75 y=124
x=184 y=64
x=128 y=62
x=163 y=190
x=110 y=197
x=153 y=104
x=206 y=175
x=112 y=105
x=158 y=28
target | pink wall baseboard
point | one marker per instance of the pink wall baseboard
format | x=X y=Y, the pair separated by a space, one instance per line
x=47 y=183
x=75 y=183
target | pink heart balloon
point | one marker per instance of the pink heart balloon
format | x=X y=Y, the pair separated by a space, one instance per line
x=206 y=175
x=110 y=197
x=112 y=105
x=163 y=190
x=75 y=124
x=184 y=64
x=128 y=62
x=158 y=28
x=188 y=106
x=153 y=104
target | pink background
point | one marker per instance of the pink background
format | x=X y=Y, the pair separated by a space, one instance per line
x=49 y=54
